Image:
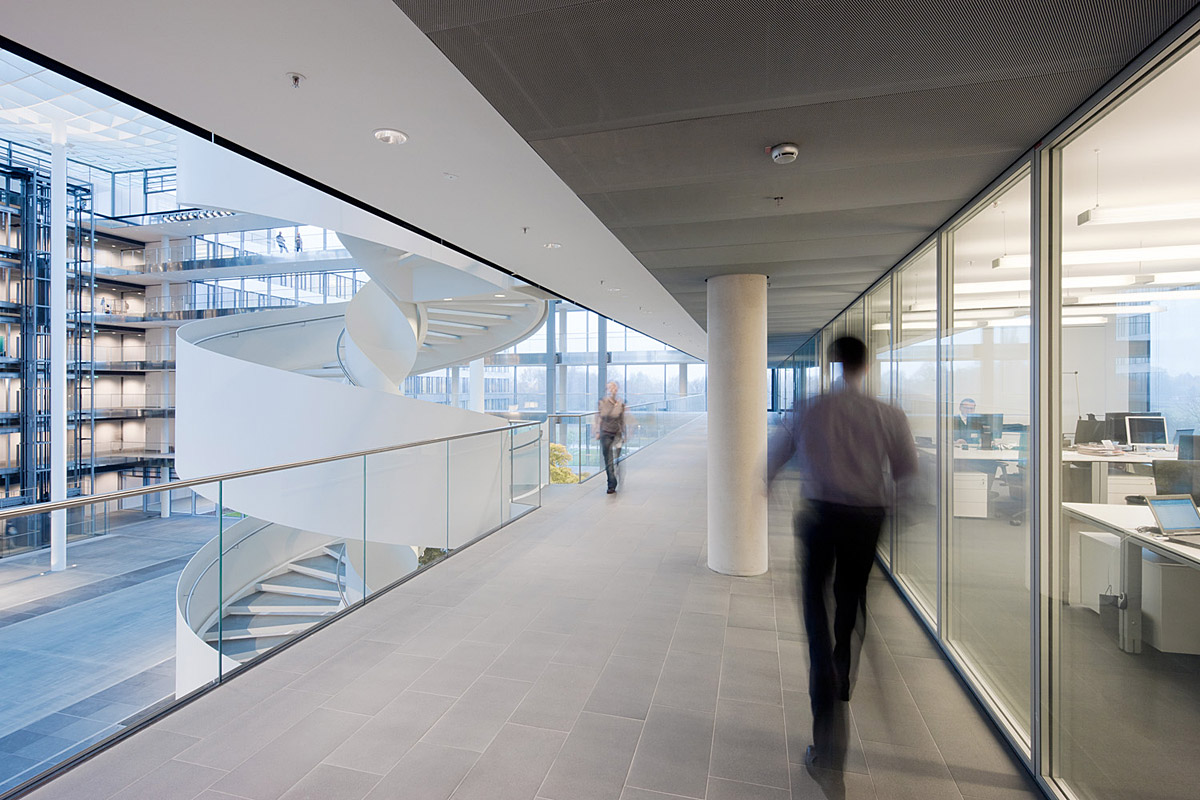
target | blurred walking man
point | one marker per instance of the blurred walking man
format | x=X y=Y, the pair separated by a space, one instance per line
x=846 y=442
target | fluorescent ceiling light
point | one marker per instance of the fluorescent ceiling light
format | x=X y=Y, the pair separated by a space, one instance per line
x=1084 y=309
x=987 y=287
x=1098 y=281
x=1009 y=322
x=919 y=325
x=1128 y=255
x=1085 y=321
x=986 y=313
x=1120 y=216
x=1011 y=262
x=1176 y=278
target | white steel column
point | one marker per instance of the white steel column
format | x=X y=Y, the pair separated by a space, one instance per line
x=58 y=347
x=455 y=385
x=737 y=424
x=475 y=390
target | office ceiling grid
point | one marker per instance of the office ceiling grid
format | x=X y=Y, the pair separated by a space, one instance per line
x=657 y=115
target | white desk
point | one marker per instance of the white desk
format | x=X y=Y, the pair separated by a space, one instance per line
x=1100 y=468
x=1124 y=521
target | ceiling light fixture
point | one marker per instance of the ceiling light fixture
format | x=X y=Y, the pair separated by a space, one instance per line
x=497 y=295
x=1175 y=278
x=1098 y=281
x=987 y=287
x=1121 y=216
x=390 y=136
x=552 y=245
x=1083 y=309
x=1084 y=321
x=1128 y=255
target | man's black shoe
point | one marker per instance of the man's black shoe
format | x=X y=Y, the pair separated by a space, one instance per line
x=612 y=491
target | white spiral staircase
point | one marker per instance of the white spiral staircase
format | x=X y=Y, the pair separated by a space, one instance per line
x=287 y=385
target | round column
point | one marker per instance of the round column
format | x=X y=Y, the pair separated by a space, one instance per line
x=737 y=424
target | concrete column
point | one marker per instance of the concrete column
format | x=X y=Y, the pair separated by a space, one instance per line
x=737 y=424
x=683 y=388
x=455 y=386
x=475 y=400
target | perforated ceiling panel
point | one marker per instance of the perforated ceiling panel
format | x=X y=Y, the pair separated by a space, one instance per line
x=657 y=114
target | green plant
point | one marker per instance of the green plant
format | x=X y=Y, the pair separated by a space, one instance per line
x=430 y=555
x=560 y=457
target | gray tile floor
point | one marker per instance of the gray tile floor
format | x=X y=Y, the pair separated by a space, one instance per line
x=84 y=650
x=583 y=652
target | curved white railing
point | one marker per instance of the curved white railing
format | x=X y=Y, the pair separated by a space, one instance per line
x=294 y=384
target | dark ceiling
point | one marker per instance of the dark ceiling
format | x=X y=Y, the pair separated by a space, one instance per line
x=657 y=114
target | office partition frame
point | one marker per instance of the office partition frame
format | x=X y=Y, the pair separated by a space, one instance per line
x=1041 y=749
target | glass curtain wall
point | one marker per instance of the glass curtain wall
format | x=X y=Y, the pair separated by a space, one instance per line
x=987 y=403
x=915 y=368
x=878 y=324
x=1124 y=682
x=1027 y=543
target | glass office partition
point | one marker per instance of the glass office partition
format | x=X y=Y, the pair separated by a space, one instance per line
x=878 y=324
x=987 y=403
x=1124 y=673
x=915 y=551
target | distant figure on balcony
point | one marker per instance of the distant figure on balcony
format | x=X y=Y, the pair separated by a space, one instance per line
x=845 y=440
x=610 y=430
x=299 y=243
x=279 y=240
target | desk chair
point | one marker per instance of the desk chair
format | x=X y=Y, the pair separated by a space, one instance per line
x=1016 y=478
x=1177 y=477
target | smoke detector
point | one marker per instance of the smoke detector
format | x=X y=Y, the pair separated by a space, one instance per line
x=784 y=153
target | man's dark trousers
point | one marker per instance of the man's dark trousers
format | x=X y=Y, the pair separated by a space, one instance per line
x=608 y=446
x=837 y=540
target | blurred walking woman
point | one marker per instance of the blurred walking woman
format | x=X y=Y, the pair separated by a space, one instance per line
x=610 y=430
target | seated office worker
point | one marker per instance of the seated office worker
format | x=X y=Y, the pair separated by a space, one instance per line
x=845 y=441
x=962 y=427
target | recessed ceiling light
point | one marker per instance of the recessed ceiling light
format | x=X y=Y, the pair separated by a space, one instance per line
x=552 y=245
x=446 y=299
x=497 y=295
x=614 y=289
x=450 y=176
x=391 y=136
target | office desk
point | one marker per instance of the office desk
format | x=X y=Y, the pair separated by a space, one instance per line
x=1124 y=521
x=1100 y=470
x=970 y=486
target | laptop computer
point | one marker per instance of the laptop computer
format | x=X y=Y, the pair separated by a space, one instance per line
x=1176 y=516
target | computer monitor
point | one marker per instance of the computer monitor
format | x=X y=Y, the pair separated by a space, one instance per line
x=1114 y=424
x=1187 y=446
x=989 y=426
x=1089 y=431
x=1146 y=431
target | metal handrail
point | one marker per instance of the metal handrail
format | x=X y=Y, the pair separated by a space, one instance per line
x=639 y=405
x=76 y=502
x=187 y=604
x=344 y=561
x=268 y=325
x=341 y=361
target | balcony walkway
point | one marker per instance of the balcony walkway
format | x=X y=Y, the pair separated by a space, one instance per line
x=585 y=652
